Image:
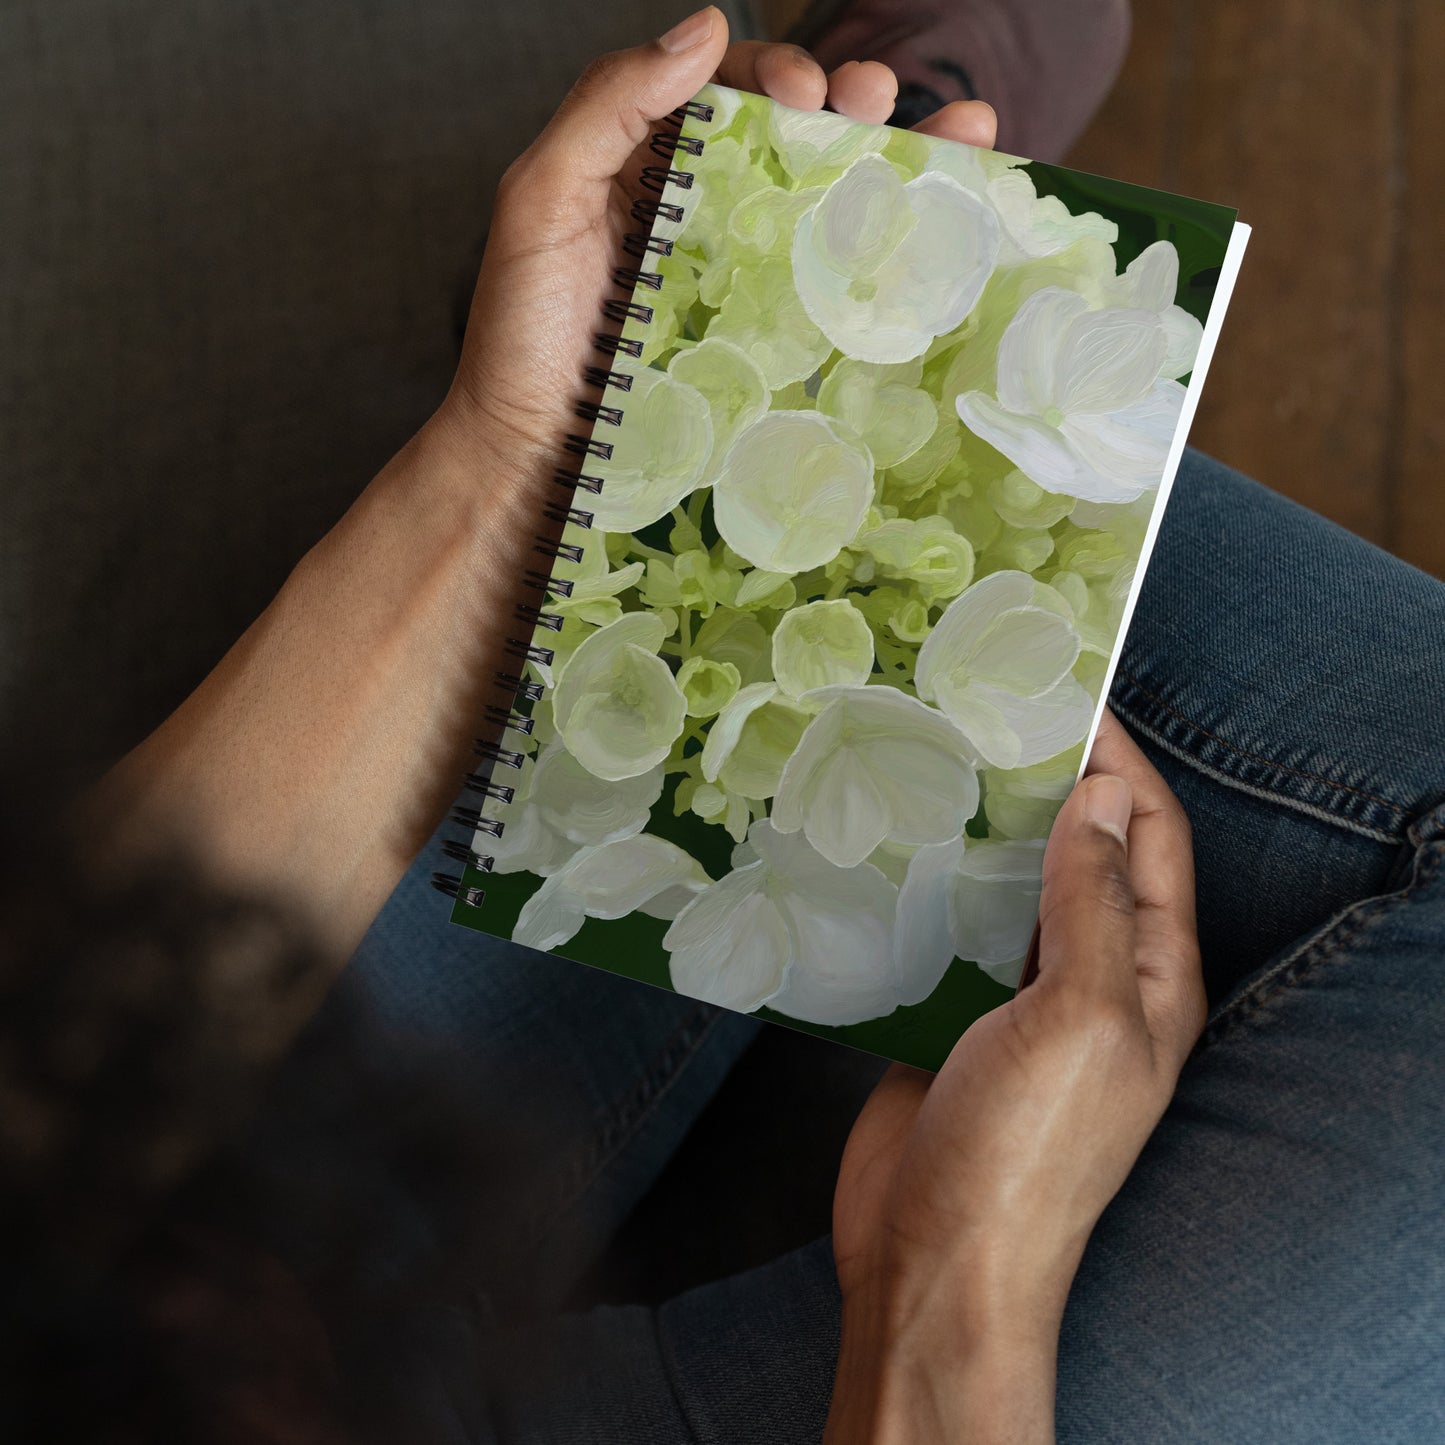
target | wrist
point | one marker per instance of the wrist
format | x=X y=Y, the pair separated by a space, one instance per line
x=963 y=1353
x=488 y=476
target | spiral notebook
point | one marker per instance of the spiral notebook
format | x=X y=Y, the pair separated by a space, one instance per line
x=876 y=460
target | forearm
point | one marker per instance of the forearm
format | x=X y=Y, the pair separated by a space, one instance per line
x=316 y=758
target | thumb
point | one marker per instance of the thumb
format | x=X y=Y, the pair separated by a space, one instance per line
x=1086 y=911
x=612 y=107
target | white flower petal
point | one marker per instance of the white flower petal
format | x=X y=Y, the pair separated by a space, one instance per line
x=841 y=924
x=928 y=777
x=730 y=946
x=607 y=882
x=875 y=765
x=549 y=918
x=941 y=267
x=1106 y=360
x=993 y=663
x=1182 y=335
x=844 y=815
x=964 y=623
x=1025 y=651
x=821 y=644
x=923 y=935
x=892 y=418
x=723 y=736
x=528 y=843
x=1043 y=726
x=861 y=218
x=643 y=872
x=994 y=900
x=1036 y=449
x=841 y=966
x=1150 y=280
x=1029 y=351
x=617 y=705
x=975 y=711
x=659 y=453
x=1036 y=226
x=1130 y=447
x=882 y=268
x=1023 y=803
x=764 y=315
x=738 y=638
x=792 y=931
x=768 y=739
x=792 y=491
x=807 y=141
x=732 y=383
x=764 y=220
x=587 y=809
x=959 y=162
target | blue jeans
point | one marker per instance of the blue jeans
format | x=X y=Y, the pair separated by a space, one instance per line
x=1274 y=1267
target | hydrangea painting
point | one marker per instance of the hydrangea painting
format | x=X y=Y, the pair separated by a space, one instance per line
x=886 y=463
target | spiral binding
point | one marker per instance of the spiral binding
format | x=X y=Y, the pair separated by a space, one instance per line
x=667 y=145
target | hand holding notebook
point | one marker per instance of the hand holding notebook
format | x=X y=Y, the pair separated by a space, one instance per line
x=965 y=1200
x=352 y=693
x=878 y=454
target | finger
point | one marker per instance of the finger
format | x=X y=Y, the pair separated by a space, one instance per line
x=613 y=107
x=1086 y=910
x=971 y=121
x=863 y=90
x=1161 y=870
x=787 y=73
x=1161 y=860
x=896 y=1098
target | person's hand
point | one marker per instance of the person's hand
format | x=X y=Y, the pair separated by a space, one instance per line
x=562 y=211
x=965 y=1200
x=351 y=703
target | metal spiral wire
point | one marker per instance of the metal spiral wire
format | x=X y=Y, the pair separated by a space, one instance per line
x=667 y=145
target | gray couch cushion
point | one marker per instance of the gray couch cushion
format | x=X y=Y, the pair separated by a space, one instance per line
x=234 y=239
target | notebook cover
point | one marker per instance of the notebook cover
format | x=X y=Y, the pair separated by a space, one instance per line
x=889 y=466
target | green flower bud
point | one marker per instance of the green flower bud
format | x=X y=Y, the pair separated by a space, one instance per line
x=708 y=686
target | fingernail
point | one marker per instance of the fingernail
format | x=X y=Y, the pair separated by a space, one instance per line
x=1108 y=804
x=687 y=33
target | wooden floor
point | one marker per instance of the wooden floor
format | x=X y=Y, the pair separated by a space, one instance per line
x=1323 y=121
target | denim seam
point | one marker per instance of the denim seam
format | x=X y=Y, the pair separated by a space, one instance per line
x=466 y=1317
x=1257 y=757
x=1327 y=943
x=1255 y=790
x=670 y=1374
x=626 y=1116
x=1252 y=790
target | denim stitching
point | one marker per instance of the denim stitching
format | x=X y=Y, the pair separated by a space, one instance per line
x=1333 y=937
x=670 y=1374
x=1253 y=790
x=1256 y=757
x=645 y=1095
x=626 y=1117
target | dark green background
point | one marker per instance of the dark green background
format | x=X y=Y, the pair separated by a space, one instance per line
x=924 y=1033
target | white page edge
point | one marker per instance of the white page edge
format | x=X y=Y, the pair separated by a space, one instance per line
x=1228 y=272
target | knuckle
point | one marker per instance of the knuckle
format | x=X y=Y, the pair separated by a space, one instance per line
x=1112 y=891
x=1103 y=887
x=1109 y=1024
x=517 y=179
x=1181 y=827
x=1192 y=1005
x=601 y=72
x=1108 y=1031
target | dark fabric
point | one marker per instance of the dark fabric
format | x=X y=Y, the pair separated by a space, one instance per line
x=1274 y=1267
x=236 y=242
